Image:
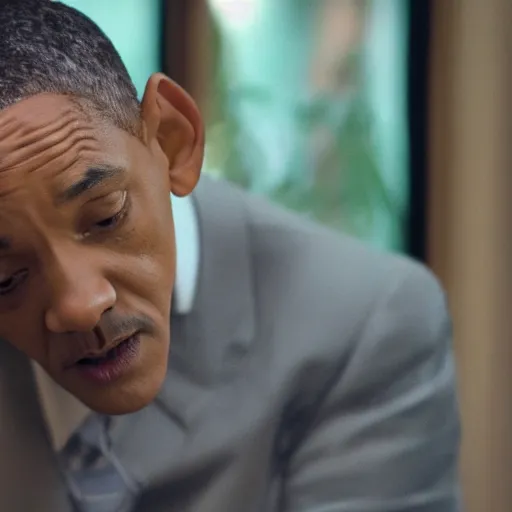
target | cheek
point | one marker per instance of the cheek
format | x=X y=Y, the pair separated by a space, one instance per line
x=26 y=336
x=149 y=278
x=152 y=220
x=155 y=232
x=149 y=254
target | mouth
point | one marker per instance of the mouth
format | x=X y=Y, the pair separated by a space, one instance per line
x=111 y=363
x=108 y=354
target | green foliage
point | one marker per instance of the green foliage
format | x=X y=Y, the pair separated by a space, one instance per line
x=344 y=188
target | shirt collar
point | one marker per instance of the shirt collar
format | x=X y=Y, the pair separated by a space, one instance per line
x=63 y=412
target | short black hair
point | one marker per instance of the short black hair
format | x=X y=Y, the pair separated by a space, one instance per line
x=48 y=47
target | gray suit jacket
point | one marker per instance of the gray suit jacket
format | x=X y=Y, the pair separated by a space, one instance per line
x=313 y=375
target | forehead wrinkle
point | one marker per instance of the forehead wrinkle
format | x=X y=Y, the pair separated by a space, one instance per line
x=7 y=190
x=8 y=122
x=19 y=133
x=69 y=144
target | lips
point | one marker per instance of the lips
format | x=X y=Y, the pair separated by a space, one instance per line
x=109 y=352
x=107 y=366
x=105 y=355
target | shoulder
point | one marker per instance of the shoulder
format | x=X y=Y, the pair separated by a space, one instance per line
x=353 y=348
x=317 y=291
x=331 y=297
x=341 y=275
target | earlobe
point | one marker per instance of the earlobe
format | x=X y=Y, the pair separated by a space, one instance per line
x=173 y=124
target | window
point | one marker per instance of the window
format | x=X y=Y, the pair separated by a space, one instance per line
x=309 y=107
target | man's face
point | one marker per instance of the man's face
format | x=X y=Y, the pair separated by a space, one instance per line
x=86 y=252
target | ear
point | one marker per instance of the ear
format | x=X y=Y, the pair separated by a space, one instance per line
x=172 y=123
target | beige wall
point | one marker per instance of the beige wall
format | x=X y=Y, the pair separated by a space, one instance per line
x=470 y=234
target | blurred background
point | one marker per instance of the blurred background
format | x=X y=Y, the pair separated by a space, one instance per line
x=387 y=119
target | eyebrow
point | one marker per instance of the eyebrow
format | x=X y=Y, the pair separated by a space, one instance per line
x=93 y=177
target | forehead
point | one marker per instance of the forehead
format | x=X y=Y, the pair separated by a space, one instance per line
x=30 y=109
x=48 y=134
x=32 y=115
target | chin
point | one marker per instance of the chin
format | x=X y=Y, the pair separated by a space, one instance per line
x=126 y=399
x=127 y=393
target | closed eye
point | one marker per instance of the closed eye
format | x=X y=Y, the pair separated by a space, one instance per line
x=10 y=284
x=112 y=221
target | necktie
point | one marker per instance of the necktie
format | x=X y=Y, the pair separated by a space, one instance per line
x=96 y=480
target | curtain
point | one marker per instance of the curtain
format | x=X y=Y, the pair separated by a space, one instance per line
x=470 y=235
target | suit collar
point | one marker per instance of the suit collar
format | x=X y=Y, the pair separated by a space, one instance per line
x=220 y=326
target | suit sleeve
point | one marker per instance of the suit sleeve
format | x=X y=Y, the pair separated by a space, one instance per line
x=386 y=435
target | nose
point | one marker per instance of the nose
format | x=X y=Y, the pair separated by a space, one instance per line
x=79 y=299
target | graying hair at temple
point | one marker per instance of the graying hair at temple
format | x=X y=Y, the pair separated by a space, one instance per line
x=47 y=47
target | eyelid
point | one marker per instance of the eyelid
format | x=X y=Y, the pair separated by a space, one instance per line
x=122 y=206
x=104 y=205
x=121 y=202
x=106 y=197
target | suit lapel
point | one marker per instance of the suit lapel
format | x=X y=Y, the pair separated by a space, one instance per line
x=156 y=444
x=221 y=325
x=29 y=478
